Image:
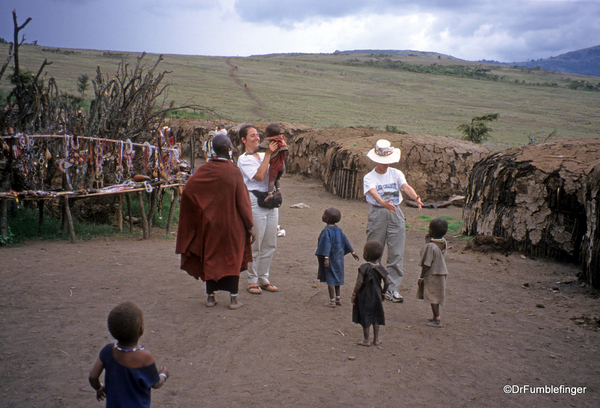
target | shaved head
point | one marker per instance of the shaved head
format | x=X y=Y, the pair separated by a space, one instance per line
x=222 y=145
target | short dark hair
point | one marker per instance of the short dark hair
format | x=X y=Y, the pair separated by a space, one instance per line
x=334 y=215
x=222 y=145
x=125 y=321
x=438 y=227
x=373 y=251
x=243 y=132
x=272 y=130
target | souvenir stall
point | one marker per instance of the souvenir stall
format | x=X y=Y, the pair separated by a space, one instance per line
x=65 y=167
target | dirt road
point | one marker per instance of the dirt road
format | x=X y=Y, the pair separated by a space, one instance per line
x=508 y=320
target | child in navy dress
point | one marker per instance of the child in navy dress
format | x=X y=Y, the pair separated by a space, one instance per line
x=130 y=371
x=332 y=247
x=368 y=294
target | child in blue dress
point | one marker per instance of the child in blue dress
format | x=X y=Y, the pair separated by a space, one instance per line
x=331 y=248
x=368 y=293
x=130 y=371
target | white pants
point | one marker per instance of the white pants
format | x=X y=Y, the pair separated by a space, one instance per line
x=388 y=228
x=263 y=248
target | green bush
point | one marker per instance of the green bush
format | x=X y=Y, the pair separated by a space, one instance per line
x=454 y=225
x=185 y=114
x=394 y=129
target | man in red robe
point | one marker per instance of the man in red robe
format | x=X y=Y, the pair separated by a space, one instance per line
x=215 y=225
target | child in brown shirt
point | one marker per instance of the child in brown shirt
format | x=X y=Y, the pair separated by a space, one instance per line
x=432 y=282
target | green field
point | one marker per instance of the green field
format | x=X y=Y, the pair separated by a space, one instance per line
x=330 y=90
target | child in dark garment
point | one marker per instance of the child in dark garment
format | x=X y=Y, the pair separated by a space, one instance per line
x=368 y=295
x=130 y=370
x=277 y=162
x=331 y=248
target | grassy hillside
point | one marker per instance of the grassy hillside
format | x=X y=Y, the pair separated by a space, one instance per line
x=355 y=89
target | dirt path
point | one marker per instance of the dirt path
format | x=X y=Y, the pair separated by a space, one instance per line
x=257 y=110
x=507 y=322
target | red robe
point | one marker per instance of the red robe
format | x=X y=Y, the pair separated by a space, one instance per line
x=214 y=217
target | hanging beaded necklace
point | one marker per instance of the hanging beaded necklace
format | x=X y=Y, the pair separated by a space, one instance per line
x=136 y=348
x=437 y=239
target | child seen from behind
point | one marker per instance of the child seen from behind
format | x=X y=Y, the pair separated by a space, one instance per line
x=331 y=248
x=130 y=371
x=432 y=281
x=273 y=133
x=368 y=293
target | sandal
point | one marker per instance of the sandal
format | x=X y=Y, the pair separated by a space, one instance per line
x=331 y=303
x=254 y=289
x=269 y=288
x=435 y=323
x=210 y=301
x=338 y=300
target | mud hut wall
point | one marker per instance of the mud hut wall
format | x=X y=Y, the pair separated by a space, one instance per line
x=532 y=197
x=435 y=167
x=590 y=251
x=194 y=130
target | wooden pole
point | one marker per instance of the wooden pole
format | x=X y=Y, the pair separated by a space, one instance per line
x=192 y=155
x=64 y=221
x=120 y=217
x=129 y=213
x=41 y=214
x=152 y=201
x=3 y=217
x=172 y=209
x=67 y=212
x=145 y=229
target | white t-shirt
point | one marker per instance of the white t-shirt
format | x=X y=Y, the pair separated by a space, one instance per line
x=249 y=165
x=387 y=185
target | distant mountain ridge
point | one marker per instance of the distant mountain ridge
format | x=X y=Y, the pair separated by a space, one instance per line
x=581 y=62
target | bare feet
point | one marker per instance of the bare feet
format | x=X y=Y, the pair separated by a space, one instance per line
x=210 y=301
x=377 y=342
x=435 y=323
x=236 y=305
x=365 y=343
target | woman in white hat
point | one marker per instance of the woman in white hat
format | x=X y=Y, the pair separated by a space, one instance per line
x=385 y=224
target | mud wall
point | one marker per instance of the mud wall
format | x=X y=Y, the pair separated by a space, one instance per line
x=590 y=251
x=533 y=197
x=436 y=167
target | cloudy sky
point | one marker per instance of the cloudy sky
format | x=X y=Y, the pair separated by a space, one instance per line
x=502 y=30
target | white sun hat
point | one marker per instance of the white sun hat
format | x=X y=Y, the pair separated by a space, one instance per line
x=384 y=153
